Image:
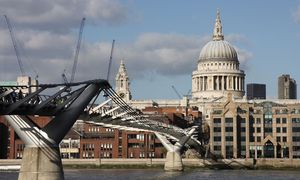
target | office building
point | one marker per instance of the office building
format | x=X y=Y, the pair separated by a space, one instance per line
x=287 y=87
x=256 y=91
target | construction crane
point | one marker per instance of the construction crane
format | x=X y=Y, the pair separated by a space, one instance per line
x=175 y=90
x=110 y=60
x=13 y=39
x=64 y=77
x=77 y=50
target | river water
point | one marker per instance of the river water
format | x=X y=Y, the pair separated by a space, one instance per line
x=147 y=174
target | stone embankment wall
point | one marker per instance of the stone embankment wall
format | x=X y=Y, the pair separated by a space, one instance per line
x=200 y=163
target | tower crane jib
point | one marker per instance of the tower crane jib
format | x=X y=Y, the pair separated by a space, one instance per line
x=13 y=39
x=77 y=50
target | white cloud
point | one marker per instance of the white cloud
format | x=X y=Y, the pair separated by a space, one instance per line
x=61 y=15
x=150 y=53
x=296 y=14
x=47 y=43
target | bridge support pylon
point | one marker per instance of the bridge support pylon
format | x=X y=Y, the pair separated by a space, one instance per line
x=41 y=156
x=173 y=159
x=41 y=163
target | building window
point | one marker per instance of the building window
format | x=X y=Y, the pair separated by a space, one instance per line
x=229 y=138
x=228 y=120
x=243 y=138
x=283 y=120
x=284 y=139
x=268 y=130
x=243 y=129
x=140 y=137
x=296 y=148
x=217 y=138
x=142 y=155
x=258 y=121
x=296 y=129
x=284 y=129
x=228 y=129
x=296 y=138
x=268 y=120
x=217 y=120
x=229 y=151
x=278 y=129
x=278 y=139
x=243 y=120
x=295 y=120
x=217 y=148
x=258 y=138
x=278 y=120
x=217 y=129
x=258 y=130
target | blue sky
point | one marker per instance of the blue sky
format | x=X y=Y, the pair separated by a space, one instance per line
x=160 y=41
x=269 y=30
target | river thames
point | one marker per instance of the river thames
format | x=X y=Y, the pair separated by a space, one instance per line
x=96 y=174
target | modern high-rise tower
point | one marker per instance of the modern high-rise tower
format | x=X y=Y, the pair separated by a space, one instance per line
x=287 y=87
x=256 y=91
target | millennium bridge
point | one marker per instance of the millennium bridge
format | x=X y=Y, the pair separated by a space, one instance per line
x=65 y=103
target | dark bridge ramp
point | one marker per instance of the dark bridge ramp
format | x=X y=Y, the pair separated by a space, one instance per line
x=41 y=158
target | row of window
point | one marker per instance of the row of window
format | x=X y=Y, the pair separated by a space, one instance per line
x=88 y=146
x=268 y=120
x=97 y=129
x=137 y=136
x=258 y=139
x=225 y=65
x=106 y=146
x=106 y=154
x=296 y=138
x=258 y=129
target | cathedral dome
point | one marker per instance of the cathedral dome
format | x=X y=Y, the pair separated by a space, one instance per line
x=218 y=50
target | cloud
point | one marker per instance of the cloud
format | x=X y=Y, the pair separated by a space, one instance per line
x=244 y=56
x=296 y=14
x=149 y=55
x=60 y=15
x=171 y=54
x=47 y=43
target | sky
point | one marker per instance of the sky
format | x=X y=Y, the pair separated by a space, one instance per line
x=159 y=41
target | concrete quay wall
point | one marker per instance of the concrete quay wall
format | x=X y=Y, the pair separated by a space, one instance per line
x=201 y=163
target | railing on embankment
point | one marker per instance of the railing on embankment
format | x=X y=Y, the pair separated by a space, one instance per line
x=14 y=164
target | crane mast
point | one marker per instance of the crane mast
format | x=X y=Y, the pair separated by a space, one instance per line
x=13 y=39
x=77 y=50
x=110 y=60
x=175 y=90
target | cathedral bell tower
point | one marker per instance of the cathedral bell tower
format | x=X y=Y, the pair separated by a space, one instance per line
x=122 y=83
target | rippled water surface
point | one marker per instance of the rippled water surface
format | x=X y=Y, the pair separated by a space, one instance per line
x=160 y=174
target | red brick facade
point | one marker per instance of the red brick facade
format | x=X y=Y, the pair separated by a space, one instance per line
x=94 y=142
x=112 y=143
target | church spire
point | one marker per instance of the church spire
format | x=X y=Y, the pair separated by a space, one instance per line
x=122 y=68
x=122 y=82
x=218 y=34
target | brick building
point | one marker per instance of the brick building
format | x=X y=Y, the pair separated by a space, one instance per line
x=87 y=141
x=100 y=142
x=11 y=146
x=180 y=116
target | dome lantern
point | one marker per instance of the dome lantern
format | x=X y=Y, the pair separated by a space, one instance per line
x=218 y=34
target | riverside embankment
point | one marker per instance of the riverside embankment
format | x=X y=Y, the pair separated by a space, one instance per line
x=12 y=164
